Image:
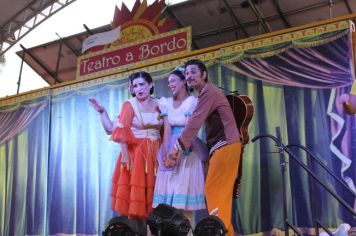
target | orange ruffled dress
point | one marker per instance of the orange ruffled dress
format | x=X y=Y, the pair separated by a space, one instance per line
x=133 y=186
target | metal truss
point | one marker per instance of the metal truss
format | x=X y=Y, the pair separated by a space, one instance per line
x=27 y=19
x=260 y=17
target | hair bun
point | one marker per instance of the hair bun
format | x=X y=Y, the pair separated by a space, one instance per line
x=179 y=68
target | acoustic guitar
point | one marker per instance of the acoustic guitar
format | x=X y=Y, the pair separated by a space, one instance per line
x=242 y=107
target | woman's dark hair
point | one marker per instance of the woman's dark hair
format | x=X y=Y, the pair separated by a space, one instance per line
x=141 y=74
x=200 y=65
x=179 y=73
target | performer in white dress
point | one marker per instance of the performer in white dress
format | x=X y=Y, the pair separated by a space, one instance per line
x=181 y=186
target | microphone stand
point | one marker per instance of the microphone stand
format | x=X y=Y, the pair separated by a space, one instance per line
x=282 y=162
x=282 y=148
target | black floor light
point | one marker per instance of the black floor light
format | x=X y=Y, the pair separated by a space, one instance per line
x=210 y=226
x=119 y=226
x=166 y=220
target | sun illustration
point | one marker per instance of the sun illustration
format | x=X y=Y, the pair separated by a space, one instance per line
x=140 y=23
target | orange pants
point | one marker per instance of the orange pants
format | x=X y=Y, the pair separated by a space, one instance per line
x=222 y=171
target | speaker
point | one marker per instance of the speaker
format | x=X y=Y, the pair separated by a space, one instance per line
x=210 y=226
x=167 y=220
x=119 y=226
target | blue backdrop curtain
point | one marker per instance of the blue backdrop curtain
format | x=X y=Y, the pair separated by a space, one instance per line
x=24 y=167
x=294 y=94
x=81 y=160
x=301 y=115
x=61 y=161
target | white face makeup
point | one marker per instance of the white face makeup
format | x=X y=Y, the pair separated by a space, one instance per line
x=141 y=88
x=175 y=84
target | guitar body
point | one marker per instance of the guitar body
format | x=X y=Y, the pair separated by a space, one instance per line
x=242 y=107
x=243 y=110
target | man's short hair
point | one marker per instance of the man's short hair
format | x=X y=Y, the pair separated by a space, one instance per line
x=200 y=65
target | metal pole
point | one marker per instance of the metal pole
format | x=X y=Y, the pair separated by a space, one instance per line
x=313 y=201
x=41 y=64
x=68 y=45
x=58 y=58
x=20 y=75
x=282 y=163
x=49 y=145
x=325 y=167
x=309 y=171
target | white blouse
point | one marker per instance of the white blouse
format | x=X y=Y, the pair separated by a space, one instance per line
x=177 y=116
x=145 y=124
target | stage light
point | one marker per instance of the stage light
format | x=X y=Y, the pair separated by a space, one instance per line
x=119 y=226
x=166 y=220
x=210 y=226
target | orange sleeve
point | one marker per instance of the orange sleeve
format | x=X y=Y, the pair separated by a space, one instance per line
x=123 y=133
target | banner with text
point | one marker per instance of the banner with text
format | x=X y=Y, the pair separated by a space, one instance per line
x=114 y=60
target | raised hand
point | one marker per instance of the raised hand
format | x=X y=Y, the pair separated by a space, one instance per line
x=105 y=120
x=344 y=98
x=96 y=105
x=349 y=103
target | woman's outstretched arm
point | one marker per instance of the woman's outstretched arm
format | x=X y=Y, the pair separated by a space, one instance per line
x=105 y=120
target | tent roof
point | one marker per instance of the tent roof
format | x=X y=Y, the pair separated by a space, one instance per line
x=213 y=22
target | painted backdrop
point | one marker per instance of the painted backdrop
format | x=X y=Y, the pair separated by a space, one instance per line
x=56 y=160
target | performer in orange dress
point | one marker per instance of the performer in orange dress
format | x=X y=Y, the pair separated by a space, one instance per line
x=137 y=129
